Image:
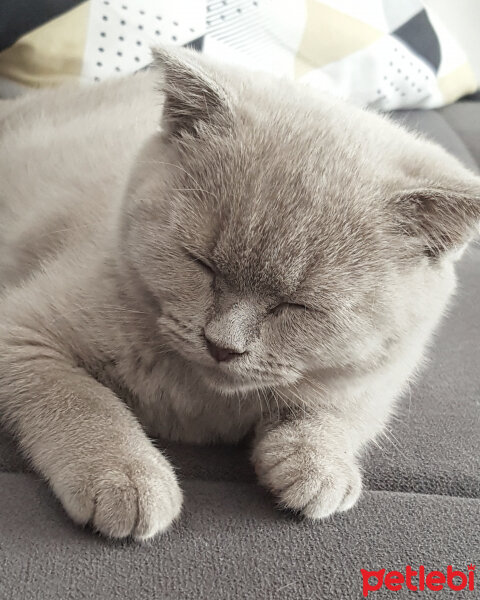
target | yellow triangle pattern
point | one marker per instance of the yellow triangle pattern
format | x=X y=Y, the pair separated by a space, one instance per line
x=49 y=54
x=457 y=83
x=330 y=35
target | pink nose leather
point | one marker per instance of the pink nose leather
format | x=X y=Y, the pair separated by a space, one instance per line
x=221 y=354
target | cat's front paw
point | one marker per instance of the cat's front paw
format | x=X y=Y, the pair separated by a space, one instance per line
x=307 y=476
x=134 y=497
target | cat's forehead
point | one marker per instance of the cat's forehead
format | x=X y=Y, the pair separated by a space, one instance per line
x=281 y=208
x=259 y=261
x=280 y=243
x=265 y=235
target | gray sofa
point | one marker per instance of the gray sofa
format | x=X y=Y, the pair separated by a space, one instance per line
x=421 y=504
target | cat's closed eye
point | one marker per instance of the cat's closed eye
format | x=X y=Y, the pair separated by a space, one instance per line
x=283 y=306
x=205 y=266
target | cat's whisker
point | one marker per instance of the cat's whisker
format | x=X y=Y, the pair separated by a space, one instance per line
x=104 y=310
x=267 y=403
x=287 y=402
x=376 y=443
x=64 y=230
x=257 y=394
x=190 y=190
x=277 y=404
x=186 y=173
x=387 y=433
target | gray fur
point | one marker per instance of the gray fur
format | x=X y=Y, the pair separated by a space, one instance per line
x=314 y=240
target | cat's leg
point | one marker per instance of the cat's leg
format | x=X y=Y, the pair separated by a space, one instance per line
x=83 y=440
x=310 y=461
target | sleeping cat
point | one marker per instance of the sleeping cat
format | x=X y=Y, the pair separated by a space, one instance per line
x=198 y=252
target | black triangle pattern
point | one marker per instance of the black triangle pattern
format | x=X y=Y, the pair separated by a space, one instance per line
x=419 y=35
x=196 y=44
x=18 y=17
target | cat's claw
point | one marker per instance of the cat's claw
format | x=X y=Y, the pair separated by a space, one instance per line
x=138 y=498
x=313 y=480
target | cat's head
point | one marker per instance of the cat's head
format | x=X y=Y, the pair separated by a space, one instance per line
x=275 y=233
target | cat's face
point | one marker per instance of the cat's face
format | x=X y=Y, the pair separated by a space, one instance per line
x=263 y=238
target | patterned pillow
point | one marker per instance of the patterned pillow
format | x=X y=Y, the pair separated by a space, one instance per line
x=387 y=54
x=99 y=39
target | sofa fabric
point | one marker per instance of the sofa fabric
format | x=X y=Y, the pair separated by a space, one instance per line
x=229 y=544
x=421 y=504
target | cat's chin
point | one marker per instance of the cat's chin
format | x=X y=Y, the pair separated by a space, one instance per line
x=233 y=387
x=224 y=379
x=228 y=383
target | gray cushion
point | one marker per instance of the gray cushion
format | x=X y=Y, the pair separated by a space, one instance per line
x=464 y=118
x=230 y=543
x=422 y=504
x=447 y=132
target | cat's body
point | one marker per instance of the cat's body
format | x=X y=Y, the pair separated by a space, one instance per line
x=291 y=201
x=74 y=233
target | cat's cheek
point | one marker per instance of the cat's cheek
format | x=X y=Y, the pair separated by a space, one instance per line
x=290 y=337
x=192 y=300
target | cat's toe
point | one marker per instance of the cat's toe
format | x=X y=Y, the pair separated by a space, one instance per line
x=309 y=479
x=116 y=505
x=159 y=503
x=336 y=493
x=138 y=500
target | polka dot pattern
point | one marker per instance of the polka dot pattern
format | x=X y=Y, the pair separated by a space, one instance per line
x=122 y=32
x=406 y=78
x=265 y=35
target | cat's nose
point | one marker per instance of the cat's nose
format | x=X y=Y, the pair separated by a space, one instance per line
x=220 y=353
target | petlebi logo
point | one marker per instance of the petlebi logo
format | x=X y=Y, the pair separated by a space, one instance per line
x=418 y=580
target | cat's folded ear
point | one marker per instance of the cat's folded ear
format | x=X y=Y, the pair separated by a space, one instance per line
x=440 y=218
x=193 y=100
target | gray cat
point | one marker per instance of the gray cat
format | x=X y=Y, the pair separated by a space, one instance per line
x=254 y=258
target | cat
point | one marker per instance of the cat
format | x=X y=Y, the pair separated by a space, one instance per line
x=198 y=253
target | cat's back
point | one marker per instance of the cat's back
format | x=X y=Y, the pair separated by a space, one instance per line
x=65 y=155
